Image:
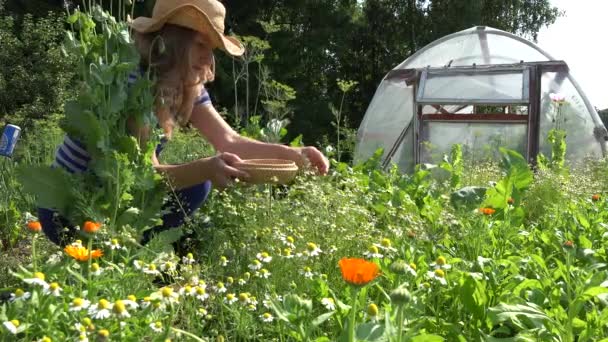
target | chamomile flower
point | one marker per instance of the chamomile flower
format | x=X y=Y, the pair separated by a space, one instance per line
x=202 y=312
x=145 y=302
x=95 y=269
x=313 y=249
x=264 y=273
x=255 y=265
x=220 y=287
x=19 y=295
x=373 y=252
x=200 y=293
x=441 y=263
x=386 y=245
x=244 y=298
x=131 y=302
x=101 y=310
x=266 y=317
x=287 y=253
x=38 y=279
x=241 y=281
x=223 y=261
x=82 y=338
x=230 y=298
x=53 y=289
x=307 y=272
x=151 y=269
x=187 y=291
x=168 y=267
x=264 y=257
x=138 y=264
x=329 y=303
x=166 y=295
x=188 y=259
x=156 y=327
x=114 y=244
x=437 y=275
x=78 y=304
x=12 y=326
x=120 y=309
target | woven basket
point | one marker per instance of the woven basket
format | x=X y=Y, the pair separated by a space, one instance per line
x=268 y=170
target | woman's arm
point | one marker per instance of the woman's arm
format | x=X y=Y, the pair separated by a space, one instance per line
x=223 y=138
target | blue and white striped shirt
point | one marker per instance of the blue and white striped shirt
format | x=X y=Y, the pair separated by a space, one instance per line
x=72 y=155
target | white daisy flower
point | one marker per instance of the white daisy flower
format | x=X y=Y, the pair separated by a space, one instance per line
x=441 y=263
x=200 y=293
x=307 y=272
x=101 y=310
x=78 y=304
x=220 y=288
x=255 y=265
x=437 y=275
x=241 y=281
x=264 y=257
x=166 y=295
x=223 y=261
x=138 y=264
x=19 y=295
x=82 y=338
x=187 y=291
x=244 y=298
x=329 y=303
x=373 y=252
x=12 y=326
x=288 y=241
x=264 y=273
x=151 y=269
x=156 y=327
x=120 y=309
x=168 y=267
x=287 y=253
x=53 y=289
x=266 y=317
x=230 y=298
x=131 y=302
x=113 y=244
x=38 y=279
x=313 y=249
x=188 y=259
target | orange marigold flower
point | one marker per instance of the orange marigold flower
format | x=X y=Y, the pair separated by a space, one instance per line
x=595 y=197
x=569 y=244
x=510 y=200
x=358 y=271
x=91 y=227
x=34 y=226
x=82 y=253
x=487 y=211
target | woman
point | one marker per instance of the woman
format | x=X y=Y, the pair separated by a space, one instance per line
x=176 y=44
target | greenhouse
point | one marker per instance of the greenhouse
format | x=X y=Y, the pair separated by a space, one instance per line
x=482 y=88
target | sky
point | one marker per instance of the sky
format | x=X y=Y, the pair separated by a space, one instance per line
x=580 y=38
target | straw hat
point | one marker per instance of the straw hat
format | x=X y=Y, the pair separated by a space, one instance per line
x=206 y=16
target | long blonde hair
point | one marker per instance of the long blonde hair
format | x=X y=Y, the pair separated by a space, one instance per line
x=167 y=54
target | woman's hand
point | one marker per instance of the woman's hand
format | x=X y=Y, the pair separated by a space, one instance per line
x=315 y=157
x=221 y=170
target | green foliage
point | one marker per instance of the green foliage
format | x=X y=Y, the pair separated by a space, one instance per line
x=34 y=75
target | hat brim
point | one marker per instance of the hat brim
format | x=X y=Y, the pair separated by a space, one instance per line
x=192 y=17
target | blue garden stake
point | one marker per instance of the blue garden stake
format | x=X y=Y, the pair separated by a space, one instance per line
x=8 y=141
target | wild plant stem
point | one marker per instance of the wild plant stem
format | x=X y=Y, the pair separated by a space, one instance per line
x=400 y=323
x=353 y=316
x=89 y=248
x=34 y=253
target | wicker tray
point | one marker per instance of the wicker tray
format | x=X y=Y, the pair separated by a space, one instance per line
x=268 y=170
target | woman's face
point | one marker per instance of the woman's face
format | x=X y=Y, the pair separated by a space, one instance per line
x=201 y=54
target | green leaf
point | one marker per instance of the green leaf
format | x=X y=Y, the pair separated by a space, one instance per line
x=322 y=318
x=473 y=296
x=427 y=338
x=48 y=185
x=519 y=315
x=370 y=331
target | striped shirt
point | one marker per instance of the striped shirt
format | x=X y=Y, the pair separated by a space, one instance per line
x=72 y=155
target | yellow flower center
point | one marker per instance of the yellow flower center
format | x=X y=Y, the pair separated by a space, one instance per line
x=386 y=242
x=230 y=280
x=264 y=255
x=243 y=297
x=119 y=307
x=152 y=267
x=168 y=264
x=267 y=315
x=158 y=325
x=157 y=305
x=190 y=256
x=187 y=288
x=247 y=275
x=290 y=239
x=104 y=304
x=311 y=246
x=103 y=333
x=287 y=251
x=372 y=310
x=426 y=285
x=78 y=302
x=220 y=285
x=15 y=322
x=46 y=339
x=82 y=337
x=115 y=242
x=439 y=273
x=413 y=266
x=87 y=321
x=19 y=293
x=264 y=271
x=441 y=261
x=147 y=299
x=166 y=292
x=307 y=269
x=54 y=286
x=132 y=298
x=230 y=296
x=39 y=275
x=200 y=291
x=223 y=259
x=94 y=267
x=373 y=249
